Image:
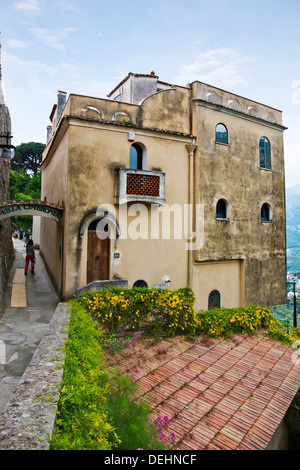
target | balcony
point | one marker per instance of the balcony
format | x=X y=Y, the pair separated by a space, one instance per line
x=139 y=186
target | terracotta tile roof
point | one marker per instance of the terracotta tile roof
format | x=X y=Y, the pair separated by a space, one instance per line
x=218 y=394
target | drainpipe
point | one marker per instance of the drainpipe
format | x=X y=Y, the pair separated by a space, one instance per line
x=191 y=149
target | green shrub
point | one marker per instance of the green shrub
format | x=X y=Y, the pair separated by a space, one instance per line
x=224 y=322
x=131 y=418
x=97 y=409
x=156 y=310
x=82 y=421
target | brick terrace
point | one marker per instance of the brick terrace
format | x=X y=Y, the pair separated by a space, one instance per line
x=219 y=394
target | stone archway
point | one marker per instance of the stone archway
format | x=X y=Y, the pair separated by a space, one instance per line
x=31 y=207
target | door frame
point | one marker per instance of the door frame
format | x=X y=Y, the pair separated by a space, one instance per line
x=108 y=260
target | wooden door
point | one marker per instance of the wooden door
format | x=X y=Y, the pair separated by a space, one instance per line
x=97 y=257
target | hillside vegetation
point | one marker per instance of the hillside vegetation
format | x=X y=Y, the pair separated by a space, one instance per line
x=293 y=228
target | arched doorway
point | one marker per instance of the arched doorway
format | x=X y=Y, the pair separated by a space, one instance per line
x=98 y=251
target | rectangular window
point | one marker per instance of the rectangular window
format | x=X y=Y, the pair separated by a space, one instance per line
x=265 y=154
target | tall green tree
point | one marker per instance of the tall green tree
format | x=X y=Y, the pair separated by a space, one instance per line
x=28 y=157
x=24 y=186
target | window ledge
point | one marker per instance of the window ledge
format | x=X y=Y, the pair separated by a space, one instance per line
x=265 y=169
x=222 y=143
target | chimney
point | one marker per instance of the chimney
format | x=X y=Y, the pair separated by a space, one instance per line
x=61 y=102
x=49 y=133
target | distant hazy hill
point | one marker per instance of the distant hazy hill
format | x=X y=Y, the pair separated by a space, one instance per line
x=293 y=227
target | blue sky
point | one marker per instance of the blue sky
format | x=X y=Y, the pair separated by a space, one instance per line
x=250 y=48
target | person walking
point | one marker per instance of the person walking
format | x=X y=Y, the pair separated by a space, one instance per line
x=27 y=236
x=30 y=256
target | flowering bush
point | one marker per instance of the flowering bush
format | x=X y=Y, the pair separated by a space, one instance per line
x=242 y=320
x=115 y=342
x=161 y=427
x=169 y=312
x=172 y=312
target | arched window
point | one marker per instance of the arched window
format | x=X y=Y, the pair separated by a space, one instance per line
x=221 y=134
x=99 y=226
x=138 y=157
x=266 y=213
x=222 y=209
x=140 y=283
x=265 y=153
x=214 y=299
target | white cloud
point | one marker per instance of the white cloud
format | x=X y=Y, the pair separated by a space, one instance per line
x=46 y=80
x=218 y=67
x=27 y=5
x=18 y=44
x=53 y=38
x=34 y=84
x=66 y=5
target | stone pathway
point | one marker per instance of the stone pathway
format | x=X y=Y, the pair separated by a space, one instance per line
x=26 y=310
x=18 y=294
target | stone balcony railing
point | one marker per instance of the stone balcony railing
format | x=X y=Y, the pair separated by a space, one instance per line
x=139 y=186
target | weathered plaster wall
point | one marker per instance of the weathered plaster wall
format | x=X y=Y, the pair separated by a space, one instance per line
x=54 y=189
x=232 y=172
x=109 y=149
x=168 y=109
x=242 y=256
x=225 y=276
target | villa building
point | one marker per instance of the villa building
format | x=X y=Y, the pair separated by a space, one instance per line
x=166 y=184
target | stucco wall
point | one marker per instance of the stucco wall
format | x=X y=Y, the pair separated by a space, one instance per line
x=225 y=276
x=108 y=149
x=54 y=189
x=242 y=257
x=232 y=172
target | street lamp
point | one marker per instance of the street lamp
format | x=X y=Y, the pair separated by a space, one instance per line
x=7 y=151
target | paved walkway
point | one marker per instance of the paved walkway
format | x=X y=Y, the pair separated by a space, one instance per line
x=26 y=310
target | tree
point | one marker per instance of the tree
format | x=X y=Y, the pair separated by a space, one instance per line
x=21 y=183
x=28 y=157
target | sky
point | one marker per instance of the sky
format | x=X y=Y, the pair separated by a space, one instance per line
x=250 y=48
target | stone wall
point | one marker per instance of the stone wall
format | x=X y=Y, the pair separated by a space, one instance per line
x=29 y=417
x=6 y=244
